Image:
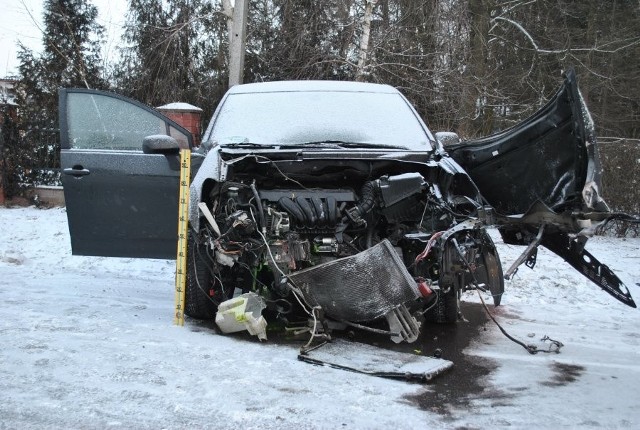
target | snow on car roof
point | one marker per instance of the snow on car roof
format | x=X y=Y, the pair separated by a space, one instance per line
x=294 y=86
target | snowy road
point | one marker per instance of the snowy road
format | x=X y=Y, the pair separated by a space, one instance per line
x=89 y=343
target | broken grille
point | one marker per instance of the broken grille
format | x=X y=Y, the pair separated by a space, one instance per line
x=361 y=287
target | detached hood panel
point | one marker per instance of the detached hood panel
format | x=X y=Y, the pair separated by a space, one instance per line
x=542 y=177
x=551 y=158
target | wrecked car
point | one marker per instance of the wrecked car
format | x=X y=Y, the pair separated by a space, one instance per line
x=333 y=201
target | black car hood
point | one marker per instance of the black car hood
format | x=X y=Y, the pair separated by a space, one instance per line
x=542 y=178
x=550 y=158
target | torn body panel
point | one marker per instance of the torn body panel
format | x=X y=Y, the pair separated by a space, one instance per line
x=551 y=157
x=545 y=174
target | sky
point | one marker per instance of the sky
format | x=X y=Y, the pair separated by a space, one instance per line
x=17 y=25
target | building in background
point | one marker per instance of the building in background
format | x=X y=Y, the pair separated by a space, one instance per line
x=8 y=96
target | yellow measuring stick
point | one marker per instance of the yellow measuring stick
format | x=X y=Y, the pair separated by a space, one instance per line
x=183 y=233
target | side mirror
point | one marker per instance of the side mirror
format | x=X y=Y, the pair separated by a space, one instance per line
x=160 y=144
x=447 y=138
x=207 y=145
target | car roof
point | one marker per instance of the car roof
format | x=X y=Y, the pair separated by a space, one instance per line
x=304 y=86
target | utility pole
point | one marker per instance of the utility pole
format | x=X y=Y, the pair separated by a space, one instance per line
x=237 y=14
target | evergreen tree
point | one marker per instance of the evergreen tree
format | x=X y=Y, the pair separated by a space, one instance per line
x=11 y=155
x=70 y=58
x=175 y=51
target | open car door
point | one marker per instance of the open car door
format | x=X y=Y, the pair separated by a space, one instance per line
x=120 y=201
x=542 y=177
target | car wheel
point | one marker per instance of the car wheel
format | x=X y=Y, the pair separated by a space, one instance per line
x=447 y=308
x=450 y=307
x=495 y=277
x=199 y=283
x=490 y=273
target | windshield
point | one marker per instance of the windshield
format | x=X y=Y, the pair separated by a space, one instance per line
x=312 y=117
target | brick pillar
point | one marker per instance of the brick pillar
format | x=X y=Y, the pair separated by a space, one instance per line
x=186 y=115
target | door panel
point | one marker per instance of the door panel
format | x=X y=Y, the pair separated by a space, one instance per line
x=120 y=201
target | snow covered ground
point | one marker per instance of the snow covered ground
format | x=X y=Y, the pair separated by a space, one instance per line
x=89 y=342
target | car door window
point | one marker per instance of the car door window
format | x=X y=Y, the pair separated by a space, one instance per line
x=120 y=201
x=106 y=121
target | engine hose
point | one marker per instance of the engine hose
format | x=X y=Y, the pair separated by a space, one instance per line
x=368 y=199
x=308 y=211
x=291 y=207
x=370 y=233
x=332 y=210
x=320 y=209
x=263 y=224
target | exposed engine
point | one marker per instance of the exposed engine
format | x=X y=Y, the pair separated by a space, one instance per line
x=283 y=241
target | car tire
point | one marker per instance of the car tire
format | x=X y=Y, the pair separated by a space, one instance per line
x=199 y=283
x=495 y=277
x=447 y=308
x=491 y=271
x=450 y=307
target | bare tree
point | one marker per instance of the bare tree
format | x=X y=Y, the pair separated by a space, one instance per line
x=364 y=40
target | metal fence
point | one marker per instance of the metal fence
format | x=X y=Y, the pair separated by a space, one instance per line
x=29 y=154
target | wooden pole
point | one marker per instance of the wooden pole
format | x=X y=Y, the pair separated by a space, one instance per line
x=237 y=42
